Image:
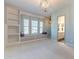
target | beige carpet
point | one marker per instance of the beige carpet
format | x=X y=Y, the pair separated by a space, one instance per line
x=42 y=49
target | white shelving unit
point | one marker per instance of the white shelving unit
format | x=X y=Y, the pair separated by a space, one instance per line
x=13 y=34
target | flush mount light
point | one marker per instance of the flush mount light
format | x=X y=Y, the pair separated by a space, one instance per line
x=44 y=5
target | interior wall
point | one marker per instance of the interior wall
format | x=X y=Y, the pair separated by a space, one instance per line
x=68 y=12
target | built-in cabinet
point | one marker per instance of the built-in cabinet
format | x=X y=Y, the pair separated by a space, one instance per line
x=12 y=15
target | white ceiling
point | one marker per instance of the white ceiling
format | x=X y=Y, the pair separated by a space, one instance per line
x=33 y=6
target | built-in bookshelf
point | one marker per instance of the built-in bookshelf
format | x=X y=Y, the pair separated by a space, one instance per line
x=12 y=25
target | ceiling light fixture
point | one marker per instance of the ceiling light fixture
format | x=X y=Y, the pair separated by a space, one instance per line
x=44 y=5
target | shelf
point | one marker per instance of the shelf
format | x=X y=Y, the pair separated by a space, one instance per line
x=11 y=16
x=60 y=31
x=13 y=25
x=13 y=33
x=12 y=10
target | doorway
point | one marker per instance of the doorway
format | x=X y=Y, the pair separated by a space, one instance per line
x=61 y=29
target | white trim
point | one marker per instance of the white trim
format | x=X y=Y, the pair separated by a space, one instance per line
x=30 y=14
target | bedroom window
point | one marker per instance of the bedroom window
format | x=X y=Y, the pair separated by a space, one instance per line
x=31 y=25
x=34 y=26
x=26 y=26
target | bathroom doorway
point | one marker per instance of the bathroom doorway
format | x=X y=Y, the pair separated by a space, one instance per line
x=61 y=29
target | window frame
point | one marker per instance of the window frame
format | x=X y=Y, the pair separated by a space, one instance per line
x=34 y=19
x=30 y=18
x=22 y=24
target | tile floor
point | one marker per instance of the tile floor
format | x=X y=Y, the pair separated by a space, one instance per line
x=42 y=49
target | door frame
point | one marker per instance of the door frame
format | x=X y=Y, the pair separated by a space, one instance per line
x=64 y=26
